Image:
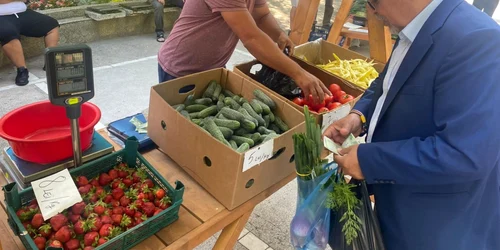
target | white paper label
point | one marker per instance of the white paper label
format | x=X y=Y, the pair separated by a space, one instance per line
x=258 y=154
x=334 y=116
x=55 y=193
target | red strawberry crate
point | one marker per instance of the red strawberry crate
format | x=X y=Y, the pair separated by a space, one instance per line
x=128 y=160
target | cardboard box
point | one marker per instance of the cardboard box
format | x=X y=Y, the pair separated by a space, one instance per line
x=215 y=166
x=321 y=52
x=245 y=69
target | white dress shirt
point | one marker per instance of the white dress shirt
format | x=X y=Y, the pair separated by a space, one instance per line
x=12 y=8
x=406 y=38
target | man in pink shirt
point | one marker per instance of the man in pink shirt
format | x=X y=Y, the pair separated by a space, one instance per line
x=207 y=31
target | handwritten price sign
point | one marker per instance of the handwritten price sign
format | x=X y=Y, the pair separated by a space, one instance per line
x=334 y=116
x=258 y=154
x=55 y=193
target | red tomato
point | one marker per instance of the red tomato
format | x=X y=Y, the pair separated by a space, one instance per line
x=328 y=99
x=339 y=95
x=334 y=88
x=346 y=99
x=323 y=110
x=314 y=105
x=334 y=105
x=299 y=101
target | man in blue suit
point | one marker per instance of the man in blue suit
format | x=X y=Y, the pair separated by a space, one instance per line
x=431 y=121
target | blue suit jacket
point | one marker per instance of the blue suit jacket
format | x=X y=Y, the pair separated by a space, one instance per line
x=434 y=157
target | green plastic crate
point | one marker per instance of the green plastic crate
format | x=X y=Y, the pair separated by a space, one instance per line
x=15 y=199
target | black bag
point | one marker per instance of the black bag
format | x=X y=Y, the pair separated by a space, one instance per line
x=370 y=237
x=278 y=82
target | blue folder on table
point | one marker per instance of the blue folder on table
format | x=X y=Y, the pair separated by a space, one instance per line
x=123 y=129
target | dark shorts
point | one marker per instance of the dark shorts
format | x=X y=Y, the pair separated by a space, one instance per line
x=29 y=23
x=164 y=76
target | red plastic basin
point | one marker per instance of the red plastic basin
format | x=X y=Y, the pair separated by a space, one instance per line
x=40 y=132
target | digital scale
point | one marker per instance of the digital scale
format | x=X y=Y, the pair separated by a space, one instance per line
x=70 y=83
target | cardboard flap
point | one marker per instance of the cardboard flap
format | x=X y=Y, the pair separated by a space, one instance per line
x=309 y=52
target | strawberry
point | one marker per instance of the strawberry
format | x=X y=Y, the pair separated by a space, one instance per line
x=139 y=220
x=81 y=181
x=107 y=199
x=130 y=210
x=63 y=235
x=148 y=208
x=89 y=208
x=40 y=242
x=139 y=203
x=117 y=193
x=55 y=243
x=115 y=183
x=91 y=239
x=72 y=244
x=122 y=173
x=21 y=212
x=101 y=241
x=26 y=214
x=58 y=221
x=37 y=221
x=113 y=174
x=94 y=198
x=164 y=203
x=128 y=181
x=80 y=227
x=142 y=196
x=95 y=182
x=84 y=189
x=124 y=201
x=94 y=223
x=157 y=211
x=115 y=203
x=100 y=208
x=149 y=182
x=105 y=230
x=117 y=219
x=78 y=208
x=100 y=192
x=159 y=193
x=118 y=210
x=139 y=176
x=151 y=196
x=74 y=218
x=105 y=219
x=45 y=230
x=126 y=221
x=104 y=179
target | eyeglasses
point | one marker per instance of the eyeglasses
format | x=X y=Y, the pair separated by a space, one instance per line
x=370 y=4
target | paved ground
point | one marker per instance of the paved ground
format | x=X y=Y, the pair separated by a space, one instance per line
x=125 y=69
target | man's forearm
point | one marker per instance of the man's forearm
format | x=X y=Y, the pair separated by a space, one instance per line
x=270 y=26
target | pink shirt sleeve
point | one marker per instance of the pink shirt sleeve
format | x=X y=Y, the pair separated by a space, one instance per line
x=226 y=5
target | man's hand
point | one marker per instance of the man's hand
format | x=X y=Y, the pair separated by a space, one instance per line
x=285 y=42
x=348 y=162
x=341 y=129
x=311 y=85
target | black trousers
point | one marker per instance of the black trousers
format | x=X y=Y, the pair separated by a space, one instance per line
x=29 y=23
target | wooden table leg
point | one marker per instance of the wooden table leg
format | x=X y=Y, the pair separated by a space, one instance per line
x=231 y=232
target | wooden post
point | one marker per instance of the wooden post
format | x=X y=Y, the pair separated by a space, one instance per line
x=340 y=19
x=379 y=37
x=303 y=21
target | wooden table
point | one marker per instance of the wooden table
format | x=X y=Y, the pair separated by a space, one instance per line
x=200 y=215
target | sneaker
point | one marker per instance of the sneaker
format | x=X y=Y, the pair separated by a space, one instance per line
x=22 y=76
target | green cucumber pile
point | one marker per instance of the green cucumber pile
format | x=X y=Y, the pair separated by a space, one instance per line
x=233 y=120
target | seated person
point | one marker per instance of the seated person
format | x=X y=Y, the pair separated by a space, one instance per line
x=17 y=20
x=158 y=6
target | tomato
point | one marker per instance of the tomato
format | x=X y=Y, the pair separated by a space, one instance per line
x=314 y=105
x=346 y=99
x=334 y=88
x=334 y=105
x=299 y=101
x=339 y=95
x=323 y=110
x=328 y=99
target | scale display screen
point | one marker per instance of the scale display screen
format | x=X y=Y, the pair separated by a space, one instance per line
x=70 y=73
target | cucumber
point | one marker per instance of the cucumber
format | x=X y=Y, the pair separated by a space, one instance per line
x=281 y=124
x=209 y=92
x=195 y=108
x=210 y=111
x=232 y=114
x=256 y=137
x=179 y=107
x=210 y=126
x=231 y=124
x=243 y=147
x=252 y=113
x=240 y=140
x=267 y=120
x=237 y=98
x=256 y=107
x=220 y=116
x=203 y=101
x=193 y=115
x=227 y=132
x=272 y=117
x=248 y=125
x=220 y=105
x=228 y=93
x=198 y=122
x=275 y=128
x=269 y=137
x=231 y=103
x=221 y=98
x=189 y=100
x=264 y=130
x=241 y=132
x=233 y=144
x=217 y=91
x=248 y=116
x=265 y=109
x=186 y=114
x=242 y=100
x=264 y=98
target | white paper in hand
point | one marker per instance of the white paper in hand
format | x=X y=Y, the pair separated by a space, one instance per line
x=258 y=154
x=331 y=145
x=55 y=193
x=333 y=116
